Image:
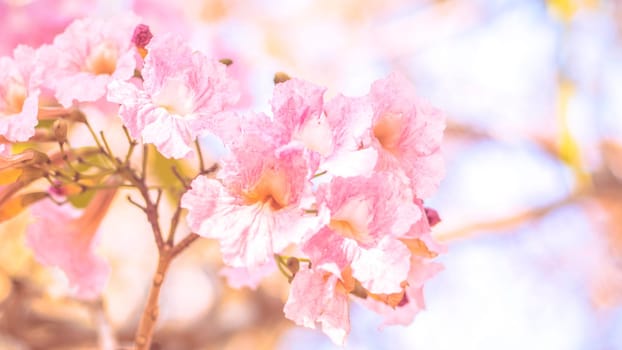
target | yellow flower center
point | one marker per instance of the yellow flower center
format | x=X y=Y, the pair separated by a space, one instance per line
x=14 y=98
x=388 y=131
x=271 y=189
x=352 y=220
x=102 y=59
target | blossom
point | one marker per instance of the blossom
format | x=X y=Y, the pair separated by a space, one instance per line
x=87 y=56
x=367 y=216
x=19 y=94
x=320 y=297
x=65 y=237
x=183 y=94
x=412 y=299
x=253 y=207
x=407 y=133
x=297 y=107
x=390 y=129
x=350 y=119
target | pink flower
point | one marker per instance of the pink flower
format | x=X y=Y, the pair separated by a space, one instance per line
x=390 y=129
x=297 y=106
x=350 y=119
x=421 y=270
x=367 y=216
x=19 y=94
x=407 y=133
x=182 y=96
x=319 y=297
x=65 y=237
x=253 y=208
x=87 y=56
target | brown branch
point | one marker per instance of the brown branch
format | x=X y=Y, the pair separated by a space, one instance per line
x=184 y=243
x=150 y=208
x=507 y=223
x=148 y=320
x=174 y=224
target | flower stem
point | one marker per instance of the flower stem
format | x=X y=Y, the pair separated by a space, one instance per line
x=144 y=334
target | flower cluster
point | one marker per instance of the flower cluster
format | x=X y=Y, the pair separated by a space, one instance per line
x=338 y=185
x=330 y=192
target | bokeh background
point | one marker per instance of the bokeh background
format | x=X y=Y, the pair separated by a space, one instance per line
x=531 y=203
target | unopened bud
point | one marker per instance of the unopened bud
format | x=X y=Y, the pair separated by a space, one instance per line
x=280 y=77
x=142 y=36
x=293 y=265
x=433 y=217
x=17 y=204
x=226 y=61
x=60 y=130
x=77 y=116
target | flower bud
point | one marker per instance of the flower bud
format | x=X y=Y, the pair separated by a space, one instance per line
x=60 y=130
x=142 y=36
x=226 y=61
x=280 y=77
x=17 y=204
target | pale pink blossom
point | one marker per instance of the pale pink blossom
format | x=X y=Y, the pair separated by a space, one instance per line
x=297 y=107
x=367 y=216
x=390 y=129
x=87 y=56
x=19 y=94
x=64 y=237
x=407 y=133
x=350 y=120
x=183 y=94
x=413 y=299
x=319 y=298
x=253 y=207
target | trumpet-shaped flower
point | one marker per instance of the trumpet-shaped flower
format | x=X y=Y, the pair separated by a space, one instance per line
x=182 y=95
x=367 y=216
x=297 y=106
x=253 y=208
x=407 y=133
x=412 y=300
x=87 y=56
x=390 y=129
x=19 y=94
x=65 y=237
x=318 y=297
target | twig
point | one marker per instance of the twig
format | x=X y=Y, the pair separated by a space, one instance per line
x=174 y=224
x=184 y=243
x=509 y=222
x=129 y=198
x=108 y=149
x=143 y=172
x=200 y=156
x=150 y=315
x=179 y=177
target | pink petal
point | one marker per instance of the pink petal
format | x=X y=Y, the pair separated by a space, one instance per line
x=57 y=239
x=416 y=130
x=382 y=269
x=315 y=299
x=183 y=95
x=87 y=55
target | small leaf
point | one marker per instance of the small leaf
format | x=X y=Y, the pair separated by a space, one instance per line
x=82 y=199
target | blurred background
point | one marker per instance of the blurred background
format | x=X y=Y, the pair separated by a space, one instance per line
x=531 y=203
